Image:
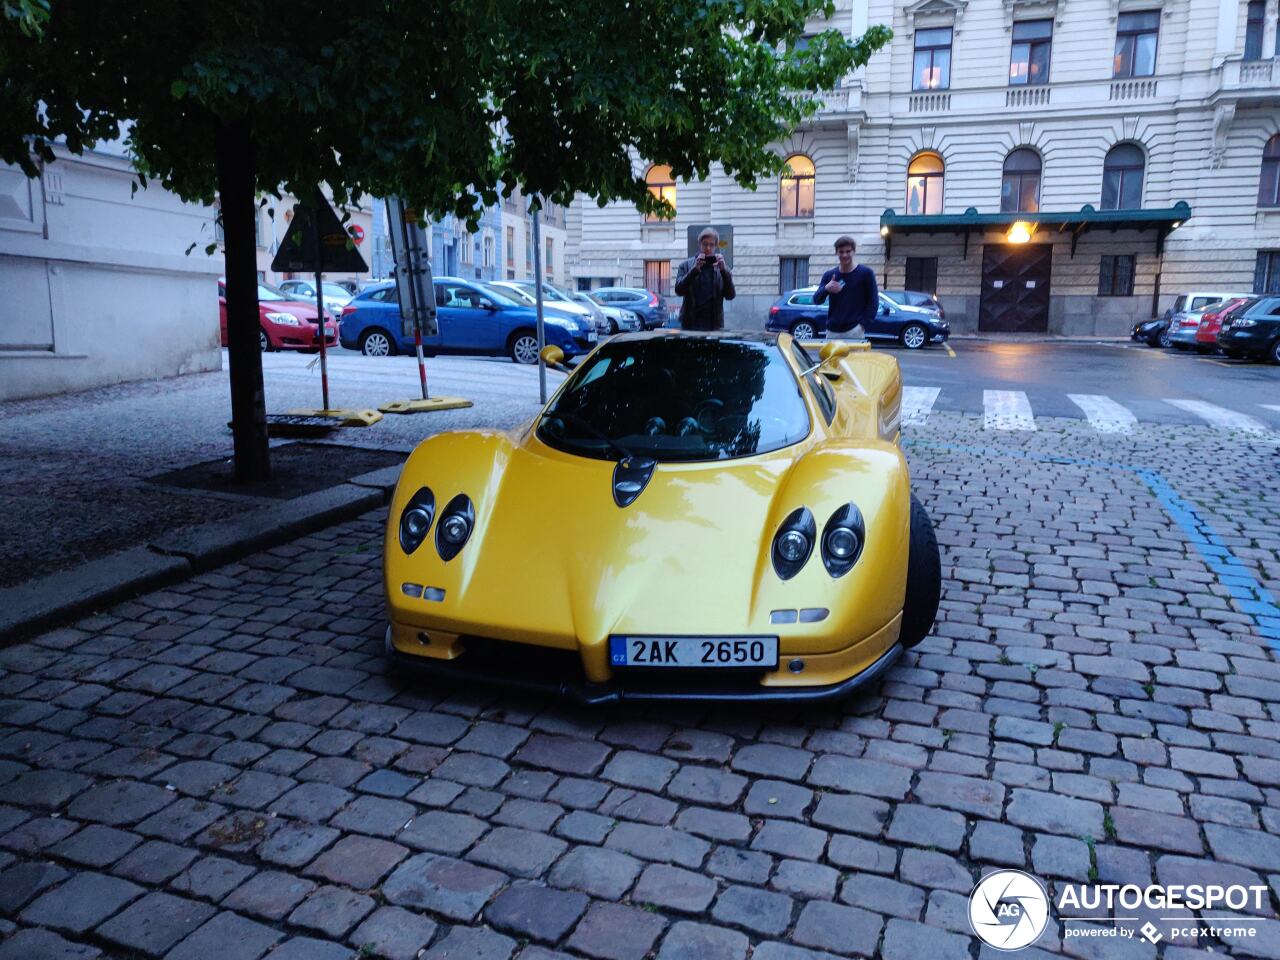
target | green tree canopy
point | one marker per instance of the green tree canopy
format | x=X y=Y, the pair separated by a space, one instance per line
x=443 y=103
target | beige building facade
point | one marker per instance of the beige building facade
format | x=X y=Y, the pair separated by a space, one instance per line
x=1062 y=167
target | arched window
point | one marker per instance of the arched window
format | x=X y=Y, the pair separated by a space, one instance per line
x=662 y=185
x=924 y=184
x=1020 y=188
x=1269 y=184
x=1122 y=178
x=795 y=192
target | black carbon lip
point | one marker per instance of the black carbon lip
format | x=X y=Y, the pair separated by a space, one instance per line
x=593 y=695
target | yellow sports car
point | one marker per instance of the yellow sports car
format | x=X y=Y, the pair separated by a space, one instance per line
x=720 y=516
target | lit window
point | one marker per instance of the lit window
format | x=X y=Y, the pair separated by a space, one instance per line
x=1020 y=187
x=663 y=186
x=1269 y=183
x=924 y=184
x=1029 y=59
x=932 y=67
x=1122 y=178
x=795 y=192
x=1136 y=36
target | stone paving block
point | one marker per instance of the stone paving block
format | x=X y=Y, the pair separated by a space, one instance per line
x=883 y=895
x=39 y=834
x=535 y=912
x=80 y=904
x=474 y=769
x=228 y=936
x=529 y=814
x=998 y=843
x=806 y=881
x=658 y=843
x=295 y=844
x=154 y=862
x=393 y=933
x=1150 y=830
x=522 y=853
x=839 y=929
x=979 y=798
x=699 y=941
x=96 y=845
x=313 y=802
x=772 y=950
x=563 y=754
x=932 y=869
x=155 y=923
x=309 y=948
x=772 y=760
x=1250 y=848
x=927 y=827
x=584 y=827
x=736 y=864
x=851 y=814
x=270 y=894
x=611 y=931
x=645 y=771
x=777 y=798
x=357 y=861
x=758 y=910
x=1060 y=857
x=790 y=839
x=714 y=824
x=674 y=889
x=44 y=789
x=857 y=775
x=707 y=785
x=1055 y=814
x=211 y=878
x=332 y=910
x=904 y=940
x=21 y=882
x=863 y=855
x=377 y=816
x=36 y=944
x=472 y=944
x=603 y=873
x=452 y=888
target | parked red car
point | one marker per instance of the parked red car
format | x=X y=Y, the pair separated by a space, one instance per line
x=283 y=323
x=1211 y=323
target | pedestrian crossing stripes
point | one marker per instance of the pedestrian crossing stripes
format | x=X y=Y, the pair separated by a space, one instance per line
x=1103 y=413
x=1006 y=410
x=917 y=402
x=1220 y=416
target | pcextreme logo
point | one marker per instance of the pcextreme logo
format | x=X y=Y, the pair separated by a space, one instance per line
x=1008 y=910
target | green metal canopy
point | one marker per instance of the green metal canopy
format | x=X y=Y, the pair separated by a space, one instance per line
x=1163 y=220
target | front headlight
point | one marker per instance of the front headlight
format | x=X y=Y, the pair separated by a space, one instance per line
x=457 y=520
x=793 y=543
x=288 y=319
x=842 y=540
x=562 y=322
x=415 y=519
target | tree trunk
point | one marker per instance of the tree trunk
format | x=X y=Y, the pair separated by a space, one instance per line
x=236 y=185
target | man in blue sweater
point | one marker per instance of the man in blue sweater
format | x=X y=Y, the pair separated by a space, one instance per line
x=855 y=298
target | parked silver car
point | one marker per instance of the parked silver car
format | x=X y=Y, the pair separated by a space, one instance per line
x=619 y=320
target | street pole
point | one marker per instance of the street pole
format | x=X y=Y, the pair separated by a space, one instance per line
x=413 y=261
x=324 y=363
x=537 y=283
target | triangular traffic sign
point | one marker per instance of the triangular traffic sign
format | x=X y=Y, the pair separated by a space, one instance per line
x=297 y=253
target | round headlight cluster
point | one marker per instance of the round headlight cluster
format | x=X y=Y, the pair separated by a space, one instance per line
x=457 y=520
x=793 y=543
x=793 y=546
x=455 y=530
x=842 y=540
x=415 y=519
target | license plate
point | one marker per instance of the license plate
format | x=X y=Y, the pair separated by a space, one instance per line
x=693 y=651
x=592 y=336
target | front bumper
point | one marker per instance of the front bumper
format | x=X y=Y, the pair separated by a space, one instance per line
x=526 y=676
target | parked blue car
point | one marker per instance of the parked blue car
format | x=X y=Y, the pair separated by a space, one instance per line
x=472 y=318
x=914 y=327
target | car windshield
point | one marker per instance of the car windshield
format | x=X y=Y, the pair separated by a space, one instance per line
x=505 y=296
x=677 y=398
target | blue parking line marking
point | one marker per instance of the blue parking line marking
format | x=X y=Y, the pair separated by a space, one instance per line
x=1251 y=597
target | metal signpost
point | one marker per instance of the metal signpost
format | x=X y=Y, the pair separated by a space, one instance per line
x=416 y=293
x=537 y=284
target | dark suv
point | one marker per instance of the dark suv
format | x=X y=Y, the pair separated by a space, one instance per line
x=650 y=307
x=1254 y=331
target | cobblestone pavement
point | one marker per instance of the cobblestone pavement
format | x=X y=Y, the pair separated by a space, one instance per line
x=224 y=768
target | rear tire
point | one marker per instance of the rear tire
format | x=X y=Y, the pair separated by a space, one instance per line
x=914 y=336
x=803 y=330
x=264 y=342
x=1165 y=341
x=924 y=578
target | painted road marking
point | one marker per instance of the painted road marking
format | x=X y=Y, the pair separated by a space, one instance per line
x=1006 y=410
x=1221 y=417
x=917 y=402
x=1105 y=415
x=950 y=353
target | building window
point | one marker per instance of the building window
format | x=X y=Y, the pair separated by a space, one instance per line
x=490 y=255
x=924 y=184
x=465 y=248
x=1029 y=60
x=795 y=192
x=528 y=251
x=1020 y=188
x=932 y=69
x=1269 y=182
x=511 y=246
x=1136 y=35
x=1122 y=178
x=922 y=274
x=1115 y=276
x=551 y=260
x=1266 y=275
x=661 y=185
x=657 y=276
x=1254 y=26
x=793 y=272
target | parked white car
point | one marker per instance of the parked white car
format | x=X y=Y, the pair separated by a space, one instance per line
x=618 y=319
x=335 y=297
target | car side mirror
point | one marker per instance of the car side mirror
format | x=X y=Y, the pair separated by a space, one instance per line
x=884 y=309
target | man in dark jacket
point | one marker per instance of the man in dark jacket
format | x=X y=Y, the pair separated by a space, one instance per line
x=705 y=283
x=855 y=298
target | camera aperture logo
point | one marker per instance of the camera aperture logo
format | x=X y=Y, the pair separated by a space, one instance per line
x=1008 y=910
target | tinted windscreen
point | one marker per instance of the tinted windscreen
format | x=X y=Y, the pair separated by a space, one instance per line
x=678 y=398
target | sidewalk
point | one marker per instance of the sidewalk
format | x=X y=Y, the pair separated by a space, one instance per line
x=121 y=489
